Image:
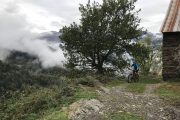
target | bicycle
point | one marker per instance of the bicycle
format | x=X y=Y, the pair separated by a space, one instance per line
x=133 y=77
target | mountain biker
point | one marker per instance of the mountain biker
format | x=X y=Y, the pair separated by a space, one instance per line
x=135 y=67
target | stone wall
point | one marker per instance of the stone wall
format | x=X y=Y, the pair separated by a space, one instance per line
x=171 y=55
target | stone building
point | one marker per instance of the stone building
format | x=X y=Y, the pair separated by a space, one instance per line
x=171 y=41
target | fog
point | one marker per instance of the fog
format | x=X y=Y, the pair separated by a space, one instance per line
x=16 y=34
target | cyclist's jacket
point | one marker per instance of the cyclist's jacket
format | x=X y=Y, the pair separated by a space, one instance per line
x=135 y=66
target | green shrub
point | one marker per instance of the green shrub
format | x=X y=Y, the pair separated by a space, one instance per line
x=170 y=91
x=121 y=116
x=88 y=94
x=88 y=81
x=149 y=79
x=68 y=91
x=115 y=82
x=33 y=105
x=13 y=78
x=56 y=115
x=103 y=78
x=136 y=87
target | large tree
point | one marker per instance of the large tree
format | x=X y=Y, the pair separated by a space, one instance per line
x=104 y=32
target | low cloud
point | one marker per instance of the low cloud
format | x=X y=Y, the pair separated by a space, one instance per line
x=15 y=34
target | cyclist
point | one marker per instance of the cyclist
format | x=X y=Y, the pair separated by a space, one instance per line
x=135 y=68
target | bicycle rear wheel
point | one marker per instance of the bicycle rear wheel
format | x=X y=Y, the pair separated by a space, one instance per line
x=130 y=78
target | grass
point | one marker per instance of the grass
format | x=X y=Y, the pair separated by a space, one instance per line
x=170 y=91
x=42 y=103
x=121 y=116
x=30 y=106
x=85 y=93
x=56 y=115
x=59 y=114
x=43 y=97
x=150 y=79
x=115 y=82
x=136 y=87
x=174 y=80
x=25 y=96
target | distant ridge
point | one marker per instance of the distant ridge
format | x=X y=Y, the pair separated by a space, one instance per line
x=52 y=36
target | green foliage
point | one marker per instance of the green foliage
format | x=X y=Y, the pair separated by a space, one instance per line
x=88 y=81
x=141 y=55
x=76 y=73
x=87 y=94
x=169 y=90
x=11 y=77
x=139 y=86
x=147 y=55
x=33 y=105
x=101 y=38
x=121 y=116
x=115 y=82
x=68 y=91
x=105 y=78
x=136 y=87
x=28 y=96
x=56 y=115
x=39 y=96
x=150 y=79
x=42 y=103
x=173 y=80
x=55 y=71
x=64 y=101
x=15 y=78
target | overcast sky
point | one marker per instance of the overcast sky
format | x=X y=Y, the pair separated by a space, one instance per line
x=22 y=20
x=48 y=15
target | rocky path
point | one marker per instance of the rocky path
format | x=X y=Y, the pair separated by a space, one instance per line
x=150 y=107
x=110 y=100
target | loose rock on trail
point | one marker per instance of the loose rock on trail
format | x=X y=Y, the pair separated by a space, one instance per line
x=111 y=100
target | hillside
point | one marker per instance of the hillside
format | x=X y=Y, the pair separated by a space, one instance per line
x=29 y=92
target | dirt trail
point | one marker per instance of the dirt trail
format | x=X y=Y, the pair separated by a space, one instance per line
x=147 y=105
x=115 y=99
